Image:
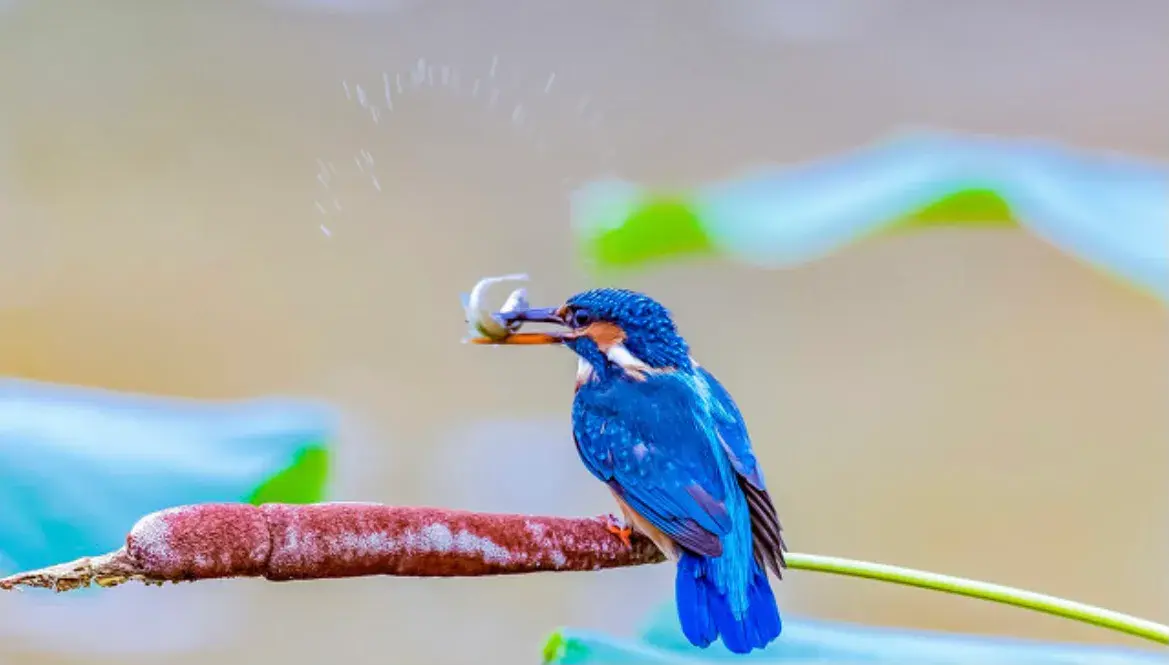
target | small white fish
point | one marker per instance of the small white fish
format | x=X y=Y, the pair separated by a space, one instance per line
x=482 y=321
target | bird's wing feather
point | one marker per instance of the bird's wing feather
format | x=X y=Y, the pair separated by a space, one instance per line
x=646 y=442
x=732 y=431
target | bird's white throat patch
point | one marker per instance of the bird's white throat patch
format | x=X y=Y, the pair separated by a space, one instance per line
x=584 y=372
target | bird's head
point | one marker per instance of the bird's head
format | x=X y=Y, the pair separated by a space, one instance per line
x=612 y=330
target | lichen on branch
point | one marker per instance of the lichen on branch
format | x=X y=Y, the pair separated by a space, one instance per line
x=282 y=542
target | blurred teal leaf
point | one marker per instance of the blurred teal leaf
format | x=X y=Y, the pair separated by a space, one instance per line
x=574 y=647
x=1106 y=210
x=78 y=466
x=818 y=641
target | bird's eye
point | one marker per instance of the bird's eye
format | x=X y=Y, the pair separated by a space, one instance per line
x=581 y=318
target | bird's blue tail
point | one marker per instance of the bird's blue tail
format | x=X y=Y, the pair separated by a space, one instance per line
x=706 y=613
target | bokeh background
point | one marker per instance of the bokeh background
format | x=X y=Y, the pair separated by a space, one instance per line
x=196 y=202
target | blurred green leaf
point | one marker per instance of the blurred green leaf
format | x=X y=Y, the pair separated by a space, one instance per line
x=1106 y=210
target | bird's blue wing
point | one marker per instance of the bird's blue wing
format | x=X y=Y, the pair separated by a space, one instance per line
x=647 y=441
x=732 y=429
x=732 y=432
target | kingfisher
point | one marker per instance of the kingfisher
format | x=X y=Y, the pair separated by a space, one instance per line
x=671 y=445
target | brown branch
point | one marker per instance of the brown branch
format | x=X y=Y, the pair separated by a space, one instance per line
x=283 y=542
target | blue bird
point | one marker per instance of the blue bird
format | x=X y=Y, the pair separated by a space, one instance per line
x=671 y=444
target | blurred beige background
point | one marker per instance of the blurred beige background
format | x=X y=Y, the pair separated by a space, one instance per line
x=973 y=403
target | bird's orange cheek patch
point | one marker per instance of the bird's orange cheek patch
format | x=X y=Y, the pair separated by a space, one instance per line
x=606 y=335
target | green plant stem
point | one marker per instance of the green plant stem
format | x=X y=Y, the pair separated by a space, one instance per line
x=997 y=593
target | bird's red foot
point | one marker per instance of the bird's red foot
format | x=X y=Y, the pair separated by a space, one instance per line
x=619 y=529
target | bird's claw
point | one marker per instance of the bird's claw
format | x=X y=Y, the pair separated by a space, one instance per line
x=620 y=529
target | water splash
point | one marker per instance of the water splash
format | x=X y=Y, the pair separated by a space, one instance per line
x=520 y=99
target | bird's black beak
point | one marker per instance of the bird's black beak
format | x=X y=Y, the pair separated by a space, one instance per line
x=535 y=315
x=553 y=315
